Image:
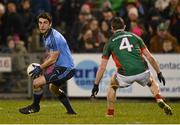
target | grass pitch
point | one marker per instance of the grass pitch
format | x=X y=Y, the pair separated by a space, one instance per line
x=89 y=112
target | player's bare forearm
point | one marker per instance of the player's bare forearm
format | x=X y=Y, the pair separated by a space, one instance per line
x=99 y=75
x=151 y=60
x=101 y=71
x=154 y=64
x=50 y=60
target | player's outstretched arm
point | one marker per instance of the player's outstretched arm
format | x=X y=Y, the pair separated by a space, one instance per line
x=51 y=59
x=154 y=64
x=99 y=76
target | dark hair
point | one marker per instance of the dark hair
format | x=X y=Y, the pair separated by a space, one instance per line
x=45 y=15
x=117 y=23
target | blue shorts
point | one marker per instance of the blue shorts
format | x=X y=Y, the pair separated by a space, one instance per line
x=59 y=75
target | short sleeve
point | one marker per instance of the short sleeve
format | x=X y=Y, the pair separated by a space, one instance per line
x=53 y=44
x=106 y=51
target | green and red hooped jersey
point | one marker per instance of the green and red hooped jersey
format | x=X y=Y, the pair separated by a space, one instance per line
x=126 y=50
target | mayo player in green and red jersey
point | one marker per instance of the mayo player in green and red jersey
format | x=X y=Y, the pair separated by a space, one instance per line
x=128 y=52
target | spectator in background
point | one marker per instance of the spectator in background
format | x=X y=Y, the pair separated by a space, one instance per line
x=14 y=46
x=141 y=8
x=28 y=20
x=96 y=32
x=10 y=47
x=170 y=9
x=20 y=46
x=105 y=4
x=168 y=47
x=2 y=25
x=39 y=6
x=123 y=12
x=86 y=43
x=154 y=16
x=79 y=23
x=108 y=15
x=106 y=33
x=70 y=16
x=135 y=25
x=175 y=23
x=58 y=15
x=9 y=77
x=67 y=12
x=163 y=42
x=19 y=55
x=85 y=8
x=14 y=22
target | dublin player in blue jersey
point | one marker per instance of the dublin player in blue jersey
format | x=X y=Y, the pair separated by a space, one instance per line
x=57 y=68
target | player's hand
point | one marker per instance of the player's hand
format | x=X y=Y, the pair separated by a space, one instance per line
x=161 y=78
x=94 y=90
x=36 y=72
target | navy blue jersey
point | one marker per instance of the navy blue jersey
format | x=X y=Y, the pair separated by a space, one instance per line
x=55 y=41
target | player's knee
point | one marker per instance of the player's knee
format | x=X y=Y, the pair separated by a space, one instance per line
x=149 y=84
x=114 y=88
x=151 y=81
x=36 y=84
x=113 y=84
x=54 y=90
x=38 y=90
x=39 y=82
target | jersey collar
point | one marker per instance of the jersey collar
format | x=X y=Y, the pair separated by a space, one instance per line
x=119 y=30
x=49 y=32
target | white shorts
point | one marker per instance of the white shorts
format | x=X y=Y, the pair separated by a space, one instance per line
x=125 y=81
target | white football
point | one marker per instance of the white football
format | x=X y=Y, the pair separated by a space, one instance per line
x=31 y=68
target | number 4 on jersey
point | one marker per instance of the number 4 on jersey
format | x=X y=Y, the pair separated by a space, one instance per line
x=125 y=44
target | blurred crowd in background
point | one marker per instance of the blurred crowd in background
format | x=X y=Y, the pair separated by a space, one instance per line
x=86 y=23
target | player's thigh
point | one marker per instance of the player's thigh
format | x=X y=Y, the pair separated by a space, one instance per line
x=113 y=82
x=54 y=89
x=59 y=76
x=118 y=81
x=39 y=82
x=143 y=78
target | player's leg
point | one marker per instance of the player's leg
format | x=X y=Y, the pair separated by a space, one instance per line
x=154 y=87
x=57 y=78
x=117 y=81
x=55 y=90
x=37 y=95
x=111 y=96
